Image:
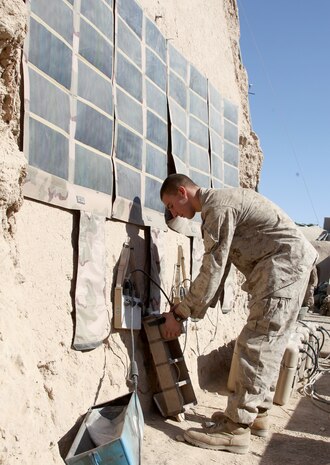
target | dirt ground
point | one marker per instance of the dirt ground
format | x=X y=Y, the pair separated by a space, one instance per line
x=299 y=431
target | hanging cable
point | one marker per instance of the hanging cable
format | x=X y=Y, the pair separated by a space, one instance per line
x=167 y=298
x=134 y=372
x=151 y=279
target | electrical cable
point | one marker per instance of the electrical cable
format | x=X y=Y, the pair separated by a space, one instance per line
x=312 y=335
x=151 y=279
x=169 y=301
x=323 y=339
x=315 y=365
x=186 y=336
x=134 y=369
x=321 y=328
x=321 y=367
x=316 y=342
x=304 y=324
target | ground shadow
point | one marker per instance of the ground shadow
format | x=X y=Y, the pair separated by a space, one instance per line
x=308 y=417
x=155 y=420
x=298 y=451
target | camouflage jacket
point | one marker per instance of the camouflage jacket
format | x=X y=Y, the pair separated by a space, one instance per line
x=241 y=226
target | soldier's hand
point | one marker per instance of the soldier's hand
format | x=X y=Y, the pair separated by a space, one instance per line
x=171 y=329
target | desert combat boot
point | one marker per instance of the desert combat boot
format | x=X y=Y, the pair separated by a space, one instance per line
x=259 y=427
x=226 y=435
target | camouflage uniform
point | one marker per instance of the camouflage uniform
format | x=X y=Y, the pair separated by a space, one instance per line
x=312 y=284
x=241 y=226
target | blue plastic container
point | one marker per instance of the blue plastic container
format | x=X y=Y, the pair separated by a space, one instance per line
x=111 y=433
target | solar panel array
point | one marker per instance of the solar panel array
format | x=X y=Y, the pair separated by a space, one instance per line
x=109 y=103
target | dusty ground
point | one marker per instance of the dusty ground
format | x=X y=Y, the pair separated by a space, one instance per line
x=299 y=433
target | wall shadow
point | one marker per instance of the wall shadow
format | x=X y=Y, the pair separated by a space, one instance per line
x=213 y=369
x=66 y=441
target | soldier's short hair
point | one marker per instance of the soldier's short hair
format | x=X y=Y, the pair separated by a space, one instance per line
x=173 y=182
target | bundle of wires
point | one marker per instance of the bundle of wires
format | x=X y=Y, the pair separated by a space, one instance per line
x=320 y=369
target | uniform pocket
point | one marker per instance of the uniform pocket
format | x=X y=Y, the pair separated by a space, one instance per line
x=271 y=316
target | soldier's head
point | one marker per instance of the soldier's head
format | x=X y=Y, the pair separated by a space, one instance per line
x=179 y=195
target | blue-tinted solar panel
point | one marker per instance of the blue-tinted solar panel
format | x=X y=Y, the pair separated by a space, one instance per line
x=201 y=179
x=98 y=134
x=153 y=201
x=179 y=118
x=179 y=145
x=129 y=111
x=216 y=121
x=130 y=11
x=199 y=158
x=50 y=54
x=129 y=77
x=156 y=100
x=100 y=15
x=198 y=82
x=57 y=15
x=94 y=88
x=178 y=63
x=155 y=39
x=156 y=70
x=198 y=107
x=156 y=162
x=231 y=176
x=217 y=166
x=129 y=43
x=230 y=132
x=49 y=149
x=49 y=101
x=231 y=154
x=129 y=185
x=178 y=91
x=156 y=131
x=215 y=98
x=216 y=144
x=129 y=147
x=92 y=170
x=230 y=111
x=95 y=48
x=198 y=132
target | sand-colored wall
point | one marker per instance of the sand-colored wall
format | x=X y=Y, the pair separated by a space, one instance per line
x=46 y=386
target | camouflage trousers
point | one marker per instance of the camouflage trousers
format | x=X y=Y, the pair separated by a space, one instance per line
x=259 y=349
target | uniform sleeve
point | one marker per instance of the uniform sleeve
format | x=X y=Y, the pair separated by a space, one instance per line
x=218 y=233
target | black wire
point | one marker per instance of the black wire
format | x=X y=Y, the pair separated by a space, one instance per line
x=313 y=335
x=323 y=338
x=142 y=271
x=314 y=361
x=313 y=350
x=321 y=328
x=303 y=351
x=168 y=300
x=302 y=323
x=317 y=342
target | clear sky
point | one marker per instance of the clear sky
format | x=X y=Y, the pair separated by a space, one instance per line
x=285 y=47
